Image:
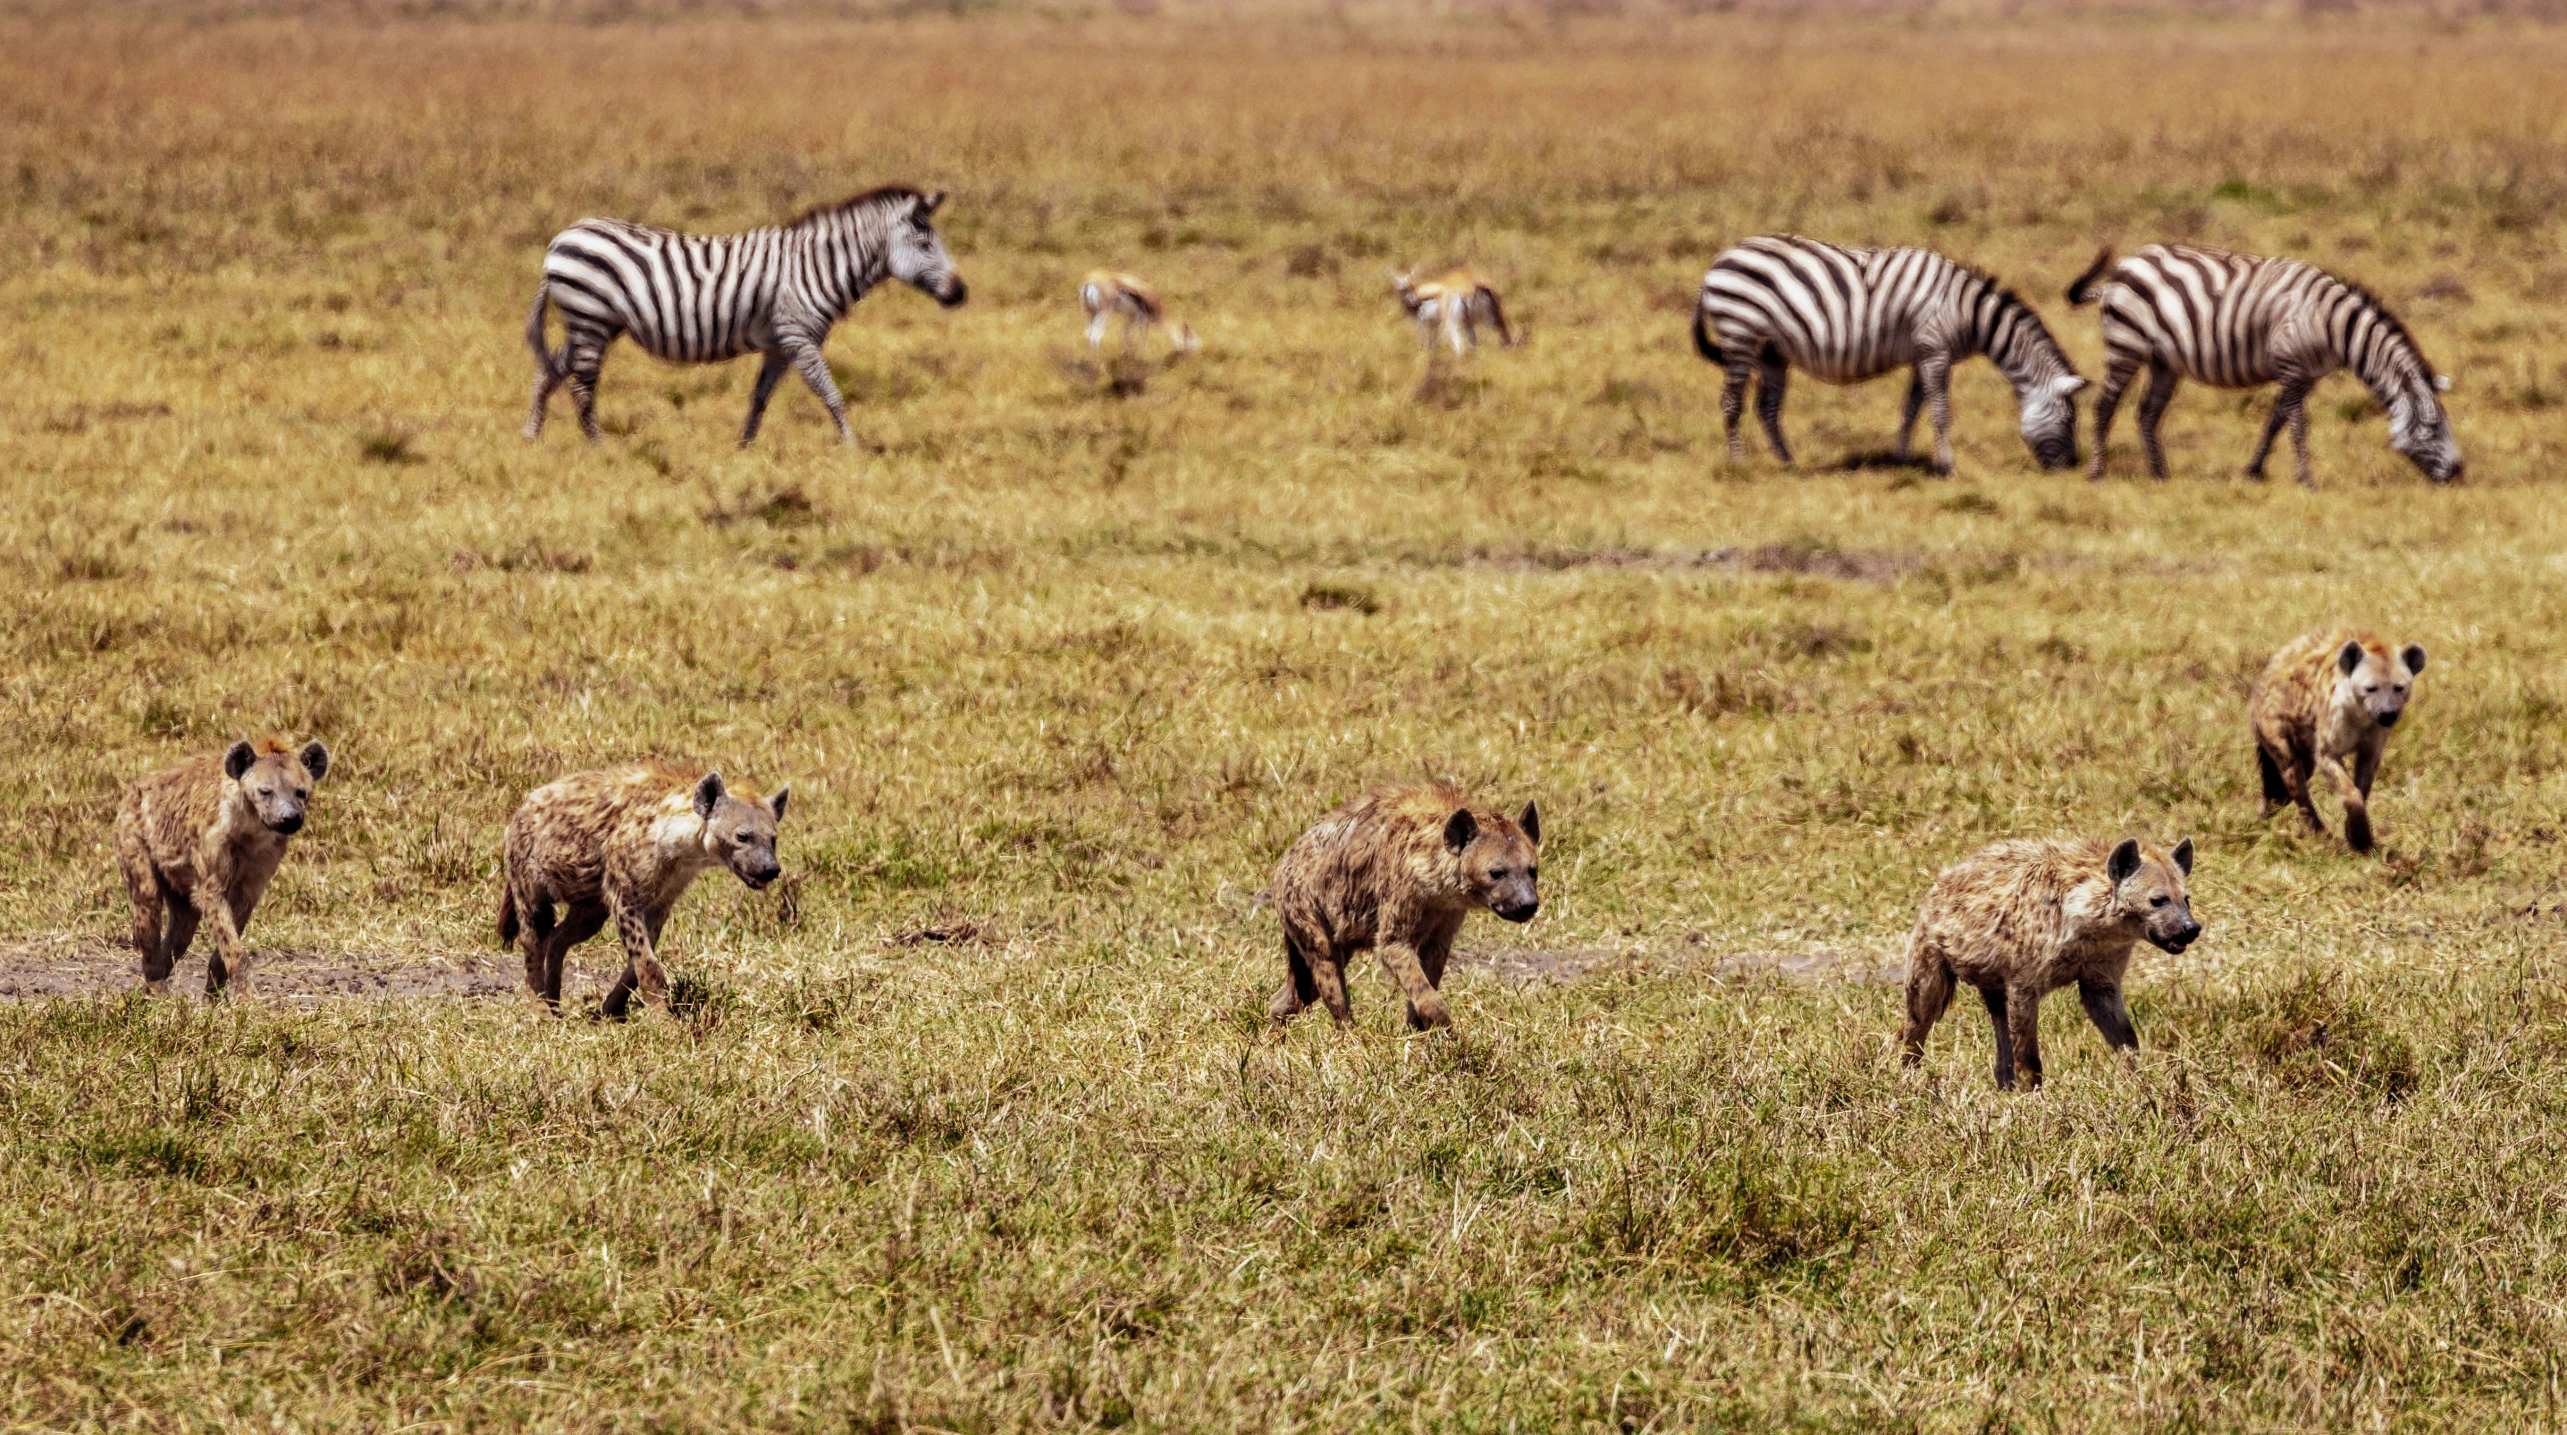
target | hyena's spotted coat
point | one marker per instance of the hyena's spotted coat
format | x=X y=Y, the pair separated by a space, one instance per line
x=623 y=845
x=2325 y=697
x=2019 y=920
x=199 y=842
x=1395 y=871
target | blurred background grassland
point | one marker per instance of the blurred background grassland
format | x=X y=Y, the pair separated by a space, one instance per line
x=970 y=1111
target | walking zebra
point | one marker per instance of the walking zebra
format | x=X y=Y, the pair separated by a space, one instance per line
x=2239 y=321
x=1781 y=302
x=1454 y=305
x=1105 y=293
x=703 y=298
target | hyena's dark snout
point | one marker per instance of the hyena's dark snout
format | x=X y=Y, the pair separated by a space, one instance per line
x=2177 y=935
x=758 y=871
x=289 y=821
x=2390 y=718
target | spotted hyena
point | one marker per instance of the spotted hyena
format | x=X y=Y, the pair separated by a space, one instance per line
x=199 y=842
x=2020 y=920
x=2325 y=697
x=623 y=845
x=1395 y=871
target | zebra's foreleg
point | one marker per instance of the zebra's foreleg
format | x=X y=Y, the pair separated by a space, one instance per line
x=1908 y=410
x=771 y=367
x=2295 y=400
x=813 y=366
x=1771 y=379
x=1934 y=375
x=2152 y=409
x=2273 y=421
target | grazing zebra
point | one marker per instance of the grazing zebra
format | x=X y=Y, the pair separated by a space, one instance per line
x=1781 y=302
x=703 y=298
x=1454 y=305
x=2239 y=321
x=1105 y=293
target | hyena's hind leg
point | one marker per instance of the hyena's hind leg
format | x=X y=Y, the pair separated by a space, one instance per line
x=151 y=902
x=1929 y=995
x=1300 y=987
x=2276 y=790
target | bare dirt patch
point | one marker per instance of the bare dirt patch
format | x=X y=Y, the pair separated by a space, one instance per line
x=35 y=971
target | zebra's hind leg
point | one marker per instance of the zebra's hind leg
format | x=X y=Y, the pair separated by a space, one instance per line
x=1771 y=379
x=583 y=357
x=771 y=367
x=2152 y=409
x=1733 y=402
x=2300 y=435
x=813 y=366
x=2118 y=372
x=1934 y=373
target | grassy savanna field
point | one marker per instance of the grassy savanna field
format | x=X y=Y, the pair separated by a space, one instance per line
x=971 y=1125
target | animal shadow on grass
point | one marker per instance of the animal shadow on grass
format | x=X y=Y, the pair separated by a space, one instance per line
x=1122 y=376
x=1870 y=460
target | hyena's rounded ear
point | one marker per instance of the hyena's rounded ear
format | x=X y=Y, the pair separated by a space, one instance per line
x=2413 y=656
x=2183 y=855
x=2123 y=862
x=237 y=759
x=775 y=804
x=2349 y=657
x=316 y=759
x=1531 y=822
x=1460 y=828
x=709 y=794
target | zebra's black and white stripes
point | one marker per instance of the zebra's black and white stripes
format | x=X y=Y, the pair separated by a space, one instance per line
x=1782 y=302
x=703 y=298
x=2239 y=321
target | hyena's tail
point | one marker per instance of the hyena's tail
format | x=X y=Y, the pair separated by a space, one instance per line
x=2276 y=791
x=1704 y=344
x=2081 y=290
x=535 y=329
x=507 y=916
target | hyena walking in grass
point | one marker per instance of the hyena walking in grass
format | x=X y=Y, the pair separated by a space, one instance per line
x=2020 y=920
x=622 y=846
x=2325 y=697
x=199 y=842
x=1395 y=871
x=1454 y=306
x=1107 y=293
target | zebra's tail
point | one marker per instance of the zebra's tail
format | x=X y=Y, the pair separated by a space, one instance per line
x=535 y=329
x=2081 y=290
x=1704 y=344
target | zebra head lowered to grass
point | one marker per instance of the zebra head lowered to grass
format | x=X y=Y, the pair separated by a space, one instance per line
x=1781 y=302
x=2240 y=321
x=703 y=298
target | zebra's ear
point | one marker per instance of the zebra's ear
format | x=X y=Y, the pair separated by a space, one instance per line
x=2066 y=384
x=2442 y=383
x=931 y=204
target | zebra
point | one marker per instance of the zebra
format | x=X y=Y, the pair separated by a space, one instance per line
x=1454 y=305
x=2240 y=321
x=703 y=298
x=1780 y=302
x=1105 y=293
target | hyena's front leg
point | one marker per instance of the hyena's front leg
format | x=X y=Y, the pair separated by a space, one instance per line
x=1301 y=984
x=230 y=960
x=2105 y=1008
x=2023 y=1025
x=1425 y=1004
x=639 y=932
x=2357 y=803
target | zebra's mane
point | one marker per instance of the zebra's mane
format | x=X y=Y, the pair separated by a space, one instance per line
x=853 y=201
x=2008 y=299
x=2389 y=320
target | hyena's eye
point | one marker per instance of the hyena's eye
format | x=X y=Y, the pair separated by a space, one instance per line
x=2157 y=901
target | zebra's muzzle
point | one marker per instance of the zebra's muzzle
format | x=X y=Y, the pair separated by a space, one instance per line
x=952 y=292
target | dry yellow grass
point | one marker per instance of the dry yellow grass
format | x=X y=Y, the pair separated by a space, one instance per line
x=1059 y=673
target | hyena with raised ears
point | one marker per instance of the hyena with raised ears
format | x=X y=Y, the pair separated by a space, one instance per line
x=1395 y=871
x=621 y=846
x=1453 y=306
x=2019 y=920
x=2325 y=697
x=1109 y=293
x=199 y=842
